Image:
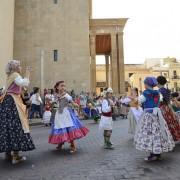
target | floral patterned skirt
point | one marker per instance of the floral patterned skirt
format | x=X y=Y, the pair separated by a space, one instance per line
x=12 y=136
x=149 y=135
x=172 y=121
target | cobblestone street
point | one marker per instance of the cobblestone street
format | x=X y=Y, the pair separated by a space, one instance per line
x=91 y=162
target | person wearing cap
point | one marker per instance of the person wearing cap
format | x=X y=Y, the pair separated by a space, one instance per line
x=166 y=110
x=106 y=122
x=152 y=134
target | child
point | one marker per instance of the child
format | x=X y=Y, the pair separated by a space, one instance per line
x=47 y=115
x=66 y=127
x=166 y=110
x=106 y=122
x=152 y=133
x=135 y=111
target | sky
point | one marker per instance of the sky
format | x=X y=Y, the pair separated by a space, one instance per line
x=153 y=28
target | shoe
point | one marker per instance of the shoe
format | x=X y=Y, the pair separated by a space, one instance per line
x=18 y=159
x=152 y=158
x=108 y=146
x=111 y=143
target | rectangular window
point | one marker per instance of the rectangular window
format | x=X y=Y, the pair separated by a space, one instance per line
x=174 y=74
x=55 y=1
x=55 y=55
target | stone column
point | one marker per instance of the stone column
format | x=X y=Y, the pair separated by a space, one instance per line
x=107 y=70
x=121 y=64
x=93 y=62
x=110 y=71
x=114 y=66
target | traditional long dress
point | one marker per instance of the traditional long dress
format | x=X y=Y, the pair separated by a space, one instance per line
x=134 y=115
x=14 y=127
x=152 y=133
x=169 y=115
x=66 y=126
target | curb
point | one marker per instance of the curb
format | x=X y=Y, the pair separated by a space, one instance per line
x=36 y=123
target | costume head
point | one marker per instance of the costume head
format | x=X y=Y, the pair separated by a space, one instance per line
x=12 y=66
x=150 y=82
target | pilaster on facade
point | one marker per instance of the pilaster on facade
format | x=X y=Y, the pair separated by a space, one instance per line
x=93 y=62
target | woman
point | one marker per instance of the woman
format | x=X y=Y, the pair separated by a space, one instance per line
x=152 y=134
x=135 y=111
x=166 y=110
x=14 y=127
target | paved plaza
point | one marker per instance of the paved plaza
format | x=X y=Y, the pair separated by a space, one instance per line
x=91 y=162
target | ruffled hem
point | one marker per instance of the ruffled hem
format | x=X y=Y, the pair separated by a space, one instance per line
x=68 y=137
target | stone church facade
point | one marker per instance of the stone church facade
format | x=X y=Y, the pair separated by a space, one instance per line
x=59 y=39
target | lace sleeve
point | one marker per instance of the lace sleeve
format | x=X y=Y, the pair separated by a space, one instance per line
x=21 y=81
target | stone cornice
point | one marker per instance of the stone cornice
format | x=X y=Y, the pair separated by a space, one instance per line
x=121 y=22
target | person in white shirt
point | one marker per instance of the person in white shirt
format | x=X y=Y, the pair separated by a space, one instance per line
x=36 y=102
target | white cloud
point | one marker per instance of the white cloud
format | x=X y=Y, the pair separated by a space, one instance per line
x=153 y=29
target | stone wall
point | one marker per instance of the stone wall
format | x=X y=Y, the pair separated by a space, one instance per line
x=41 y=26
x=6 y=35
